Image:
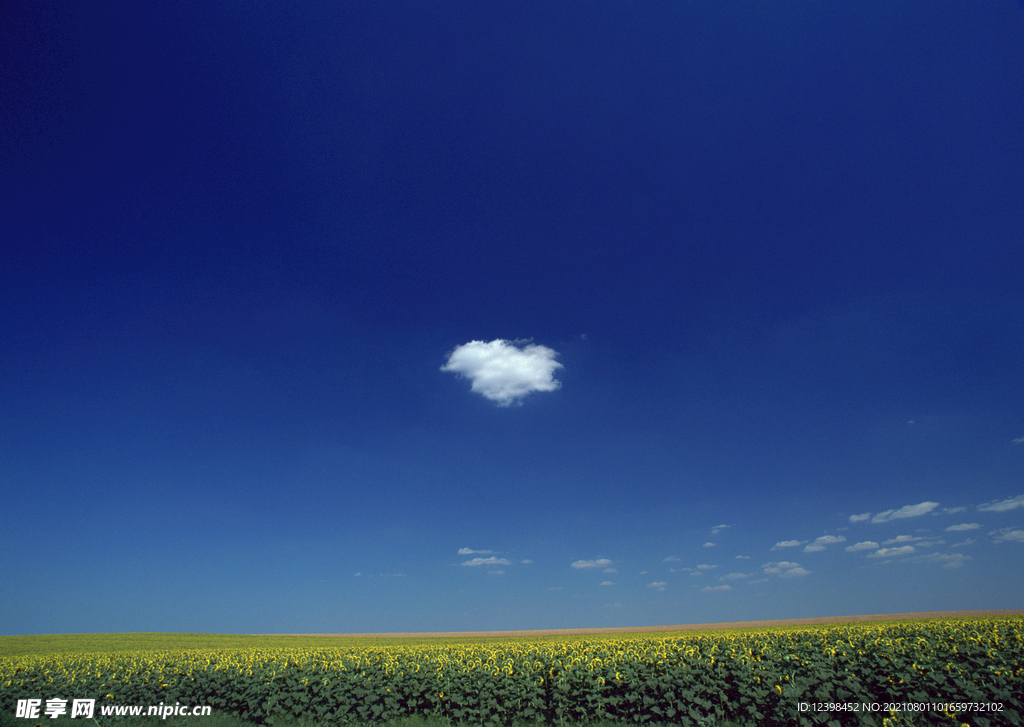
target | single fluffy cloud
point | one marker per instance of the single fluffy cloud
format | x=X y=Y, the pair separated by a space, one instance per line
x=962 y=526
x=599 y=563
x=922 y=508
x=859 y=518
x=1010 y=503
x=470 y=551
x=502 y=372
x=713 y=589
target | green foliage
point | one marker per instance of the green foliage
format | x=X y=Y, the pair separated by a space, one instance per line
x=697 y=679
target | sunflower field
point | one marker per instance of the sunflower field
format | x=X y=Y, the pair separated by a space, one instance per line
x=953 y=672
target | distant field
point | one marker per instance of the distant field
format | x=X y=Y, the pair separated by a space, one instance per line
x=106 y=643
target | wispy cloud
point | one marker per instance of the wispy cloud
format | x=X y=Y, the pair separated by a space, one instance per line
x=950 y=561
x=488 y=561
x=787 y=544
x=708 y=544
x=820 y=543
x=1019 y=440
x=659 y=585
x=785 y=569
x=1006 y=535
x=719 y=528
x=860 y=518
x=712 y=589
x=734 y=576
x=864 y=545
x=903 y=539
x=599 y=563
x=887 y=552
x=470 y=551
x=1010 y=503
x=502 y=372
x=922 y=508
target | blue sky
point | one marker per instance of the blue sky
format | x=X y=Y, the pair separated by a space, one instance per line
x=370 y=317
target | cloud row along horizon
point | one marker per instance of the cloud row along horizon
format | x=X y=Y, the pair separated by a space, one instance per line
x=502 y=371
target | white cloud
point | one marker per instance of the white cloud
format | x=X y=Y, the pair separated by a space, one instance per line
x=922 y=508
x=1006 y=535
x=708 y=545
x=865 y=545
x=599 y=563
x=503 y=372
x=672 y=559
x=606 y=583
x=859 y=518
x=470 y=551
x=886 y=552
x=1019 y=440
x=712 y=589
x=488 y=561
x=660 y=585
x=785 y=569
x=495 y=572
x=902 y=539
x=950 y=562
x=526 y=562
x=704 y=566
x=734 y=576
x=1008 y=504
x=787 y=544
x=794 y=572
x=719 y=528
x=820 y=543
x=742 y=557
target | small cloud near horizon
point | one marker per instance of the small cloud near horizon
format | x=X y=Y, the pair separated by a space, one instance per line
x=1010 y=503
x=820 y=543
x=488 y=561
x=787 y=544
x=598 y=563
x=922 y=508
x=1007 y=535
x=503 y=372
x=785 y=569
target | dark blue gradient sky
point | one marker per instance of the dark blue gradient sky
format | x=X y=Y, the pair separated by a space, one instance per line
x=777 y=248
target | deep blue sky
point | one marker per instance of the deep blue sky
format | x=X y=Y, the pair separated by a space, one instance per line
x=775 y=248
